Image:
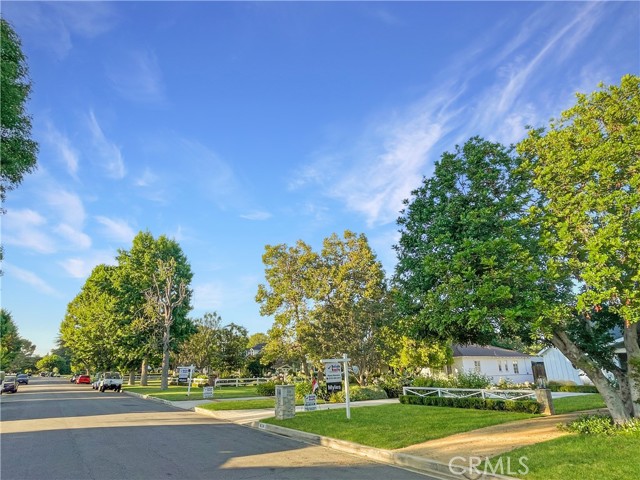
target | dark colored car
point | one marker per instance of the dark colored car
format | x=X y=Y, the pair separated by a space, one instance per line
x=10 y=384
x=23 y=378
x=83 y=379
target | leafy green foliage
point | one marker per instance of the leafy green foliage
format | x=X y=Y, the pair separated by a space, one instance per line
x=601 y=425
x=358 y=394
x=325 y=303
x=17 y=150
x=467 y=267
x=587 y=169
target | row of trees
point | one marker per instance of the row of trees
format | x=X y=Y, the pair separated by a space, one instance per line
x=533 y=244
x=335 y=300
x=131 y=314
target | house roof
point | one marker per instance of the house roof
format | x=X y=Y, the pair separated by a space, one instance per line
x=258 y=347
x=480 y=351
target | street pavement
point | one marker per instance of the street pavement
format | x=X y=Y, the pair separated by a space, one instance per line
x=54 y=430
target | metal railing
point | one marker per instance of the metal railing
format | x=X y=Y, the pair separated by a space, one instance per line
x=470 y=393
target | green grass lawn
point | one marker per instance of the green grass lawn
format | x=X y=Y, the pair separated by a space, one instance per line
x=178 y=393
x=247 y=404
x=577 y=403
x=587 y=457
x=395 y=425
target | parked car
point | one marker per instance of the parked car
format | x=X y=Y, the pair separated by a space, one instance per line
x=9 y=384
x=110 y=381
x=83 y=379
x=96 y=381
x=73 y=378
x=23 y=378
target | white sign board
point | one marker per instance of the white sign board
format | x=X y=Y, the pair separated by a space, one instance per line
x=183 y=374
x=333 y=373
x=207 y=392
x=310 y=403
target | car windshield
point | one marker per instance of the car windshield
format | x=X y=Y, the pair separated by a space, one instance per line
x=10 y=379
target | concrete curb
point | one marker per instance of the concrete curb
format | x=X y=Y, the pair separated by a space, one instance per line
x=398 y=459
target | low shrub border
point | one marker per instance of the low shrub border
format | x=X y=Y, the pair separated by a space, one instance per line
x=525 y=406
x=572 y=388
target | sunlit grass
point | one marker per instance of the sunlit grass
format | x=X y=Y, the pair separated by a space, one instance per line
x=395 y=425
x=177 y=393
x=587 y=457
x=577 y=403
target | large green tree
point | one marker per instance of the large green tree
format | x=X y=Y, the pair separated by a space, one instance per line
x=202 y=349
x=93 y=328
x=586 y=169
x=17 y=150
x=325 y=303
x=10 y=341
x=468 y=269
x=137 y=269
x=286 y=297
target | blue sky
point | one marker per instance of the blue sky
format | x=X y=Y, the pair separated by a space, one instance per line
x=230 y=126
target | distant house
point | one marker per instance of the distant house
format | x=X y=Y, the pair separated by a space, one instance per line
x=255 y=350
x=495 y=362
x=559 y=368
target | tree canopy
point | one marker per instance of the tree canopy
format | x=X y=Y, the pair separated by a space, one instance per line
x=17 y=150
x=467 y=266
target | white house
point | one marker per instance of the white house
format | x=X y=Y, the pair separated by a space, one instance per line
x=559 y=368
x=494 y=362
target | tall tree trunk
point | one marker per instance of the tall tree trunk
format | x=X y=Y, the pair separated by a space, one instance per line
x=610 y=395
x=132 y=377
x=143 y=372
x=633 y=365
x=164 y=385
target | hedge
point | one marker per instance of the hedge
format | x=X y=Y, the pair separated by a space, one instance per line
x=554 y=387
x=525 y=406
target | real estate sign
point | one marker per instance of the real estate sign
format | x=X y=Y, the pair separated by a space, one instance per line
x=333 y=376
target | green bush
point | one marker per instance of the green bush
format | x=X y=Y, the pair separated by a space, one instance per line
x=302 y=389
x=392 y=384
x=600 y=425
x=357 y=394
x=566 y=387
x=267 y=389
x=472 y=380
x=526 y=406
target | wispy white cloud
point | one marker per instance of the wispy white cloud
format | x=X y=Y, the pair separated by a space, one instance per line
x=207 y=296
x=108 y=153
x=52 y=26
x=256 y=215
x=67 y=206
x=26 y=229
x=61 y=143
x=30 y=278
x=81 y=267
x=116 y=229
x=147 y=179
x=76 y=238
x=387 y=160
x=137 y=76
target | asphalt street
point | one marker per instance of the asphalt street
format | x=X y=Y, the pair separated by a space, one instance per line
x=54 y=430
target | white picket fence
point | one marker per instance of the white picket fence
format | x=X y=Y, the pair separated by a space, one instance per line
x=470 y=392
x=237 y=382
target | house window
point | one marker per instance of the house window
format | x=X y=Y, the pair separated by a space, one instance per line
x=476 y=366
x=515 y=367
x=499 y=366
